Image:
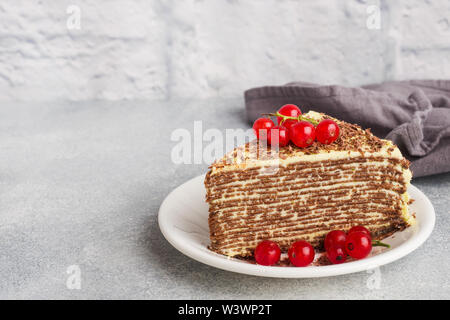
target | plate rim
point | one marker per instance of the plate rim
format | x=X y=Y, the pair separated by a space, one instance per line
x=230 y=264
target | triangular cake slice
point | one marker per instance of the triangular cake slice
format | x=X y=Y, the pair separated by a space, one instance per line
x=301 y=194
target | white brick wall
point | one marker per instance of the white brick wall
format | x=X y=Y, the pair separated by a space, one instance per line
x=162 y=49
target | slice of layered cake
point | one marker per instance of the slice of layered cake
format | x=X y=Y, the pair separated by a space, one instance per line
x=293 y=193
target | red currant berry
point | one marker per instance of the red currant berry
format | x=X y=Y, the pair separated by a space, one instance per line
x=302 y=134
x=289 y=123
x=301 y=253
x=335 y=238
x=358 y=245
x=290 y=110
x=336 y=254
x=327 y=131
x=359 y=228
x=278 y=135
x=267 y=253
x=261 y=127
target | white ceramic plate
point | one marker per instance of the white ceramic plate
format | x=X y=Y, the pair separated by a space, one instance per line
x=183 y=220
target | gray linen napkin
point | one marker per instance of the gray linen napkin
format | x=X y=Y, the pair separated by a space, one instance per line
x=414 y=114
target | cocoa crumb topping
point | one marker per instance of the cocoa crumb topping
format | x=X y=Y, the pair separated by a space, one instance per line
x=351 y=138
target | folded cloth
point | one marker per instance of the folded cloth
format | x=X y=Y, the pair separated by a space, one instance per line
x=414 y=114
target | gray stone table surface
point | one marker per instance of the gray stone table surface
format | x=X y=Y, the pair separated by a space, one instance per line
x=81 y=185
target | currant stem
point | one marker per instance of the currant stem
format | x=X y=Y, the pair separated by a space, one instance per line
x=378 y=243
x=299 y=118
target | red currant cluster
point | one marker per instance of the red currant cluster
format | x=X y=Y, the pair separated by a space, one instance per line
x=301 y=253
x=292 y=126
x=357 y=243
